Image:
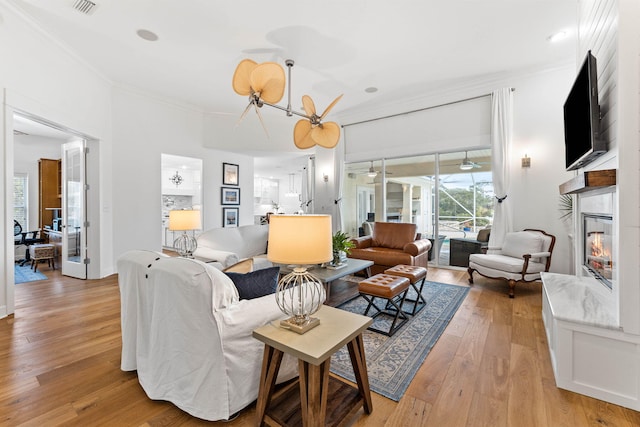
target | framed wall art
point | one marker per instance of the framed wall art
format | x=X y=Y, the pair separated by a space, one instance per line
x=229 y=217
x=230 y=196
x=230 y=174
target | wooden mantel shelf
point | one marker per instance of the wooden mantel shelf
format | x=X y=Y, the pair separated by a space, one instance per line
x=590 y=180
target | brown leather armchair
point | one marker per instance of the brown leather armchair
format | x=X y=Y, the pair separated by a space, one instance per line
x=391 y=244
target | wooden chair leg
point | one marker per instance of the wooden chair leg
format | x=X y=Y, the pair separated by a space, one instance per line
x=512 y=286
x=470 y=271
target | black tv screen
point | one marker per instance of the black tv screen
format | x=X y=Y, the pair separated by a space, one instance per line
x=582 y=118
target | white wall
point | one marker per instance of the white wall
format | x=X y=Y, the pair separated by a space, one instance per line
x=39 y=77
x=145 y=128
x=538 y=131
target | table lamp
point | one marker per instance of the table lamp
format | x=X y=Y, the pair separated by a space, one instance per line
x=184 y=220
x=301 y=240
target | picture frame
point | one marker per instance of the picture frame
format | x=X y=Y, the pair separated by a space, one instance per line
x=229 y=196
x=229 y=217
x=230 y=174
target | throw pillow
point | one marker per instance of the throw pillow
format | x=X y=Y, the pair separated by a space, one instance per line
x=244 y=266
x=257 y=283
x=519 y=243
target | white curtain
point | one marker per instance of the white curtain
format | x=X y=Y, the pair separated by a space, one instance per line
x=338 y=163
x=501 y=134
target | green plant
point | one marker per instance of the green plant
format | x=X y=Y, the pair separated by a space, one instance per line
x=565 y=206
x=342 y=242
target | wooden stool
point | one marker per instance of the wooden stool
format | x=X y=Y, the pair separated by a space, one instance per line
x=416 y=275
x=42 y=252
x=393 y=289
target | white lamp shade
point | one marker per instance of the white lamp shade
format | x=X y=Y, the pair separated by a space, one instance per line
x=184 y=220
x=300 y=239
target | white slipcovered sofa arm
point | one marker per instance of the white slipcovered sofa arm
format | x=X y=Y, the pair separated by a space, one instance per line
x=223 y=257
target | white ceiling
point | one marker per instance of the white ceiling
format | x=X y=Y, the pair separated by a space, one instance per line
x=339 y=46
x=404 y=48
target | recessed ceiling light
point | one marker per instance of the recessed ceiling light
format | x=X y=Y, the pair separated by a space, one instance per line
x=560 y=35
x=371 y=89
x=147 y=35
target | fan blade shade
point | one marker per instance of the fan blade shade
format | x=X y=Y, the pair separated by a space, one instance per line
x=244 y=113
x=268 y=79
x=326 y=111
x=241 y=77
x=302 y=135
x=326 y=135
x=308 y=105
x=261 y=121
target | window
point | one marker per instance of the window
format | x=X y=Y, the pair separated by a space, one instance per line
x=448 y=194
x=21 y=199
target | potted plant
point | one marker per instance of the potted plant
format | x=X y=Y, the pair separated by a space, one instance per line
x=565 y=206
x=342 y=244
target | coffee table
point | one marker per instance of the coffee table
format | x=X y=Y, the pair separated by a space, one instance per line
x=328 y=275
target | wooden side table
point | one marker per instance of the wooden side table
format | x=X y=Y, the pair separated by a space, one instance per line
x=311 y=405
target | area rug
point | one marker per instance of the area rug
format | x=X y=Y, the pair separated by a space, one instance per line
x=26 y=274
x=393 y=361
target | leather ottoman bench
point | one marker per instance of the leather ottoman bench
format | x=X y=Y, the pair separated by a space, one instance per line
x=416 y=275
x=393 y=290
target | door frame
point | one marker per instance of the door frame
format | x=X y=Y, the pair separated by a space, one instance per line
x=93 y=198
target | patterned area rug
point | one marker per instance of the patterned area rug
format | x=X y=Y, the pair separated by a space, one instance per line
x=393 y=361
x=26 y=274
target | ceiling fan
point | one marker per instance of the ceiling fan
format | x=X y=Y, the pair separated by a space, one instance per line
x=264 y=84
x=468 y=164
x=372 y=173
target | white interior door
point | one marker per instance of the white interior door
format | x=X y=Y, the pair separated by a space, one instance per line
x=74 y=240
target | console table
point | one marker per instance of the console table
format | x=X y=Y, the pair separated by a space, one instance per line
x=306 y=401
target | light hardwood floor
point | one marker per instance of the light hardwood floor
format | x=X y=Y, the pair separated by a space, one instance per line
x=60 y=357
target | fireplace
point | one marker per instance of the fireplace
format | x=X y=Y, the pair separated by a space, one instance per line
x=598 y=247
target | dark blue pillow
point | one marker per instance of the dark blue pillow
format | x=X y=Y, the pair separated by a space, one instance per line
x=257 y=283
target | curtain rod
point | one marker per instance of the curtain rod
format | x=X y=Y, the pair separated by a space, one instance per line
x=420 y=109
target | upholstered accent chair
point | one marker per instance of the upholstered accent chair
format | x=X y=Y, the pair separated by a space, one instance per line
x=391 y=244
x=522 y=257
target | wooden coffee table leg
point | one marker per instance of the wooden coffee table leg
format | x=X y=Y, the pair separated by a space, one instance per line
x=270 y=367
x=358 y=360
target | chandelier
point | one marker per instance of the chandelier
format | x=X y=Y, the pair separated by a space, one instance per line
x=264 y=84
x=176 y=179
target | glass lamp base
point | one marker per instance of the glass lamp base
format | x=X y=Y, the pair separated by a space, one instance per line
x=300 y=329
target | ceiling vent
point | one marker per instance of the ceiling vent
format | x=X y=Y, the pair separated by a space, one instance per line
x=84 y=6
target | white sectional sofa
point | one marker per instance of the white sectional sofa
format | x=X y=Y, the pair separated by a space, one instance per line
x=224 y=247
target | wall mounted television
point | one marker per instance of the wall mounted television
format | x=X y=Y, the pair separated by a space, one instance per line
x=582 y=141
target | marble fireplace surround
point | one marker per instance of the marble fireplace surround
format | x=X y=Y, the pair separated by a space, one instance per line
x=590 y=352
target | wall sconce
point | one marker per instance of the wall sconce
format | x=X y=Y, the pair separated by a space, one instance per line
x=325 y=177
x=526 y=161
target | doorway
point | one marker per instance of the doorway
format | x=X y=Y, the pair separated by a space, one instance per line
x=53 y=159
x=181 y=179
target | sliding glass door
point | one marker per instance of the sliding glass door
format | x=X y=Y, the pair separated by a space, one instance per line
x=449 y=195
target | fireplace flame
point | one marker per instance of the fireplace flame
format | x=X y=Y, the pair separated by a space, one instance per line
x=600 y=252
